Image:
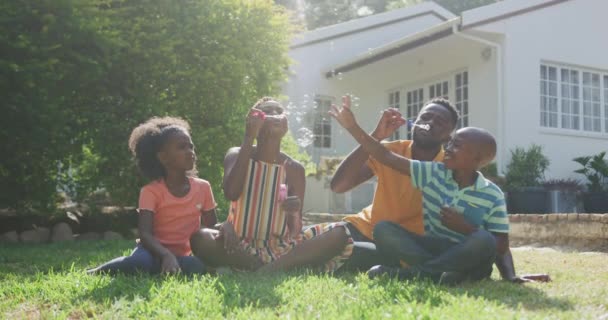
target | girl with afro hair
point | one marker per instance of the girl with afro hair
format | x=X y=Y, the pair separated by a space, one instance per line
x=171 y=206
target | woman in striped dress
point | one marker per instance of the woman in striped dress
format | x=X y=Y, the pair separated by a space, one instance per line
x=266 y=188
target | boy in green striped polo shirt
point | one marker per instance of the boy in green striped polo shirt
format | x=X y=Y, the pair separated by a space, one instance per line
x=465 y=217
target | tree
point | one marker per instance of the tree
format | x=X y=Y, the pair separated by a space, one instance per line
x=454 y=6
x=320 y=13
x=50 y=64
x=105 y=66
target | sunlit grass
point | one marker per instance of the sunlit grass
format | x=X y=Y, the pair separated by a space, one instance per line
x=48 y=281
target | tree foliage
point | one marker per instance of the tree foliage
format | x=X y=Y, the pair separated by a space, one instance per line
x=320 y=13
x=78 y=75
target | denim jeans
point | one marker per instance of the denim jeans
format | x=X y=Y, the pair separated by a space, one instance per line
x=431 y=255
x=141 y=260
x=365 y=255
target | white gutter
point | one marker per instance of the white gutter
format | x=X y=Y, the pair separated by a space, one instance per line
x=379 y=50
x=499 y=81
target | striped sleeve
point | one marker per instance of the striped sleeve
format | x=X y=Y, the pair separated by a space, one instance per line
x=421 y=172
x=497 y=219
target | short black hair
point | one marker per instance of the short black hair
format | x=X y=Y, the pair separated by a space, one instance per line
x=147 y=139
x=448 y=105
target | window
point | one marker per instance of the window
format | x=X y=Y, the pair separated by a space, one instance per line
x=439 y=90
x=592 y=113
x=572 y=99
x=322 y=123
x=416 y=96
x=394 y=101
x=606 y=103
x=462 y=98
x=548 y=96
x=415 y=102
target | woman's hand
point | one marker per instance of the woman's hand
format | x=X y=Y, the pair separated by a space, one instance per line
x=168 y=264
x=254 y=122
x=231 y=241
x=291 y=204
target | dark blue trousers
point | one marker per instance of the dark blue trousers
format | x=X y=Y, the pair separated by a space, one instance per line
x=141 y=260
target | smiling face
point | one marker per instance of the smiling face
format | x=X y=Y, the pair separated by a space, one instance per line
x=441 y=126
x=177 y=153
x=460 y=154
x=469 y=149
x=275 y=122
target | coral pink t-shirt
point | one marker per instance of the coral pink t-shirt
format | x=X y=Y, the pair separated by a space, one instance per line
x=176 y=219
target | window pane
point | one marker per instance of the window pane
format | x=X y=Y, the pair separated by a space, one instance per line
x=553 y=89
x=543 y=72
x=321 y=127
x=565 y=75
x=553 y=73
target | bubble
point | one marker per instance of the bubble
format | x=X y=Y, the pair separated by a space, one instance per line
x=340 y=76
x=370 y=51
x=355 y=101
x=304 y=137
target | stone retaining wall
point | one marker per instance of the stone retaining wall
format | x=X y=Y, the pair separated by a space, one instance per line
x=580 y=231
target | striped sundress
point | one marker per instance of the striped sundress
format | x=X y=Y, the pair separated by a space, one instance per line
x=261 y=224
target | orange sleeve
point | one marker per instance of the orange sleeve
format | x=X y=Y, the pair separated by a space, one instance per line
x=147 y=199
x=208 y=199
x=373 y=164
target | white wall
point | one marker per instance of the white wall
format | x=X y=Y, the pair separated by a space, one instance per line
x=307 y=77
x=434 y=61
x=572 y=33
x=437 y=60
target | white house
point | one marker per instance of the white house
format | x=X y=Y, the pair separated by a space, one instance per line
x=530 y=71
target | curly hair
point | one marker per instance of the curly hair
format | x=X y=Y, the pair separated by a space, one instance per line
x=262 y=100
x=148 y=138
x=448 y=105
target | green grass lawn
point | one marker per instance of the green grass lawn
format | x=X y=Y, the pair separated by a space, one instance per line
x=48 y=281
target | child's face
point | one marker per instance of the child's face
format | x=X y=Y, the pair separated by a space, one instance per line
x=440 y=121
x=461 y=154
x=178 y=152
x=275 y=122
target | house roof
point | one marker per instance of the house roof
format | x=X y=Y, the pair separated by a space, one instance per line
x=469 y=19
x=371 y=22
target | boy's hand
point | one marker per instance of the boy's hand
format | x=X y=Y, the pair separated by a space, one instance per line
x=168 y=264
x=532 y=278
x=390 y=121
x=455 y=221
x=254 y=122
x=344 y=115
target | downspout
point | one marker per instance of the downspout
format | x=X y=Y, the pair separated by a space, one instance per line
x=499 y=74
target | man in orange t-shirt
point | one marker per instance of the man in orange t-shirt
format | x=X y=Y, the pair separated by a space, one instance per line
x=395 y=199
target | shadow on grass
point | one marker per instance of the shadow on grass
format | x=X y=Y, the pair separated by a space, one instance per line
x=24 y=259
x=239 y=291
x=511 y=295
